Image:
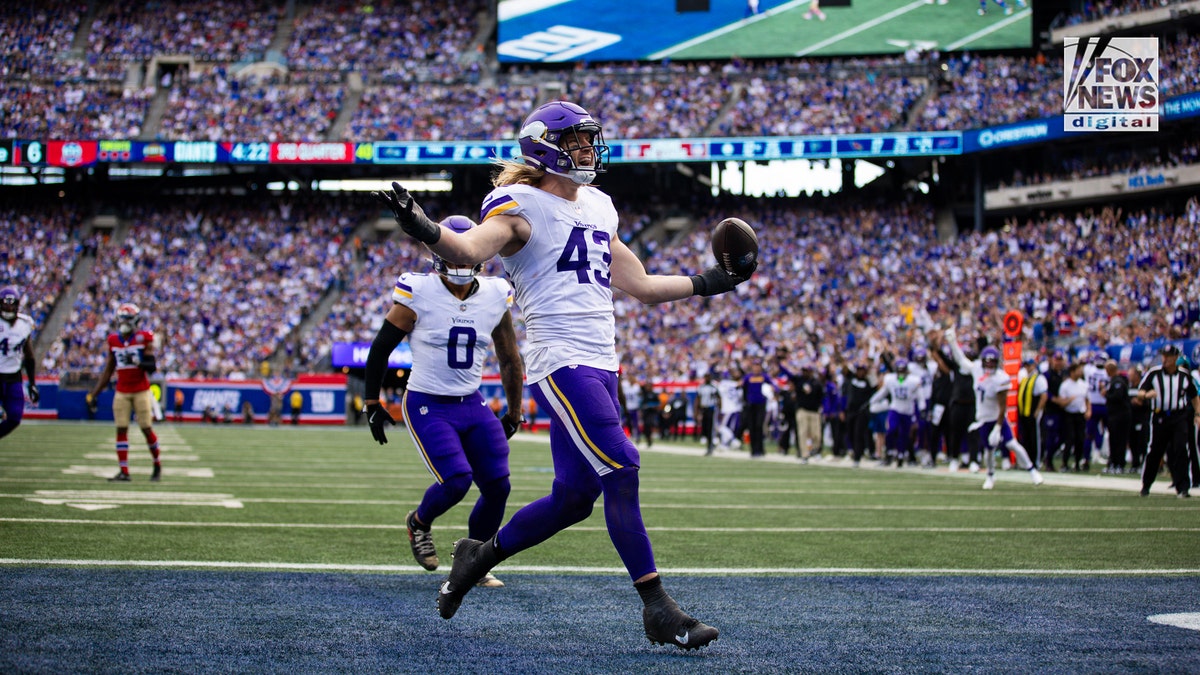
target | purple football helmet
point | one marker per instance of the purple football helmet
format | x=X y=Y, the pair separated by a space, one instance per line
x=556 y=126
x=919 y=353
x=456 y=274
x=990 y=358
x=901 y=365
x=10 y=303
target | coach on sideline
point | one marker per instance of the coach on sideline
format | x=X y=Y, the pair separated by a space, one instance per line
x=1173 y=396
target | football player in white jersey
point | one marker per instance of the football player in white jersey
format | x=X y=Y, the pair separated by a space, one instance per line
x=991 y=408
x=729 y=391
x=451 y=317
x=900 y=389
x=557 y=237
x=1097 y=385
x=16 y=352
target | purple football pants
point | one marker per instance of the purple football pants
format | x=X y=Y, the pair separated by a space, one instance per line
x=12 y=398
x=461 y=441
x=591 y=456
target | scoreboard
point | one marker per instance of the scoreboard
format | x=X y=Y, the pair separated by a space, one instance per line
x=80 y=153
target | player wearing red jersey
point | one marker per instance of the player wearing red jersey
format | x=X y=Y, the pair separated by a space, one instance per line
x=129 y=352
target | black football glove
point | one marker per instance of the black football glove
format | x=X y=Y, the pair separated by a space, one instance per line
x=34 y=394
x=715 y=280
x=511 y=425
x=377 y=419
x=409 y=215
x=92 y=406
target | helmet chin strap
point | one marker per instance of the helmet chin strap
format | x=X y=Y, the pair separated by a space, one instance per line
x=459 y=279
x=583 y=176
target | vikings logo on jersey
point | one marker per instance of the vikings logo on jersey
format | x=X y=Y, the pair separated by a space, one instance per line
x=451 y=338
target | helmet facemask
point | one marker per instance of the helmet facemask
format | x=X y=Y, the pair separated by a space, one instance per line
x=989 y=358
x=459 y=275
x=556 y=130
x=10 y=304
x=128 y=319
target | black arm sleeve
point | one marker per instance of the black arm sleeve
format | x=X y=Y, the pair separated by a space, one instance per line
x=30 y=366
x=385 y=342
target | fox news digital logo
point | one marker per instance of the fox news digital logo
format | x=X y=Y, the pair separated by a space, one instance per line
x=1110 y=84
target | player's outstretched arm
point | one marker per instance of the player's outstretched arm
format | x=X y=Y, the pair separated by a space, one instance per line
x=409 y=215
x=498 y=234
x=629 y=275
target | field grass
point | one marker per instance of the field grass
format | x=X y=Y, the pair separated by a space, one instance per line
x=866 y=27
x=333 y=496
x=283 y=550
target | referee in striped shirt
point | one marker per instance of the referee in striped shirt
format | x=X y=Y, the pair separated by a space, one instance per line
x=1173 y=397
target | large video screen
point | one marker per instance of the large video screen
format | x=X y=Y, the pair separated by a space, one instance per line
x=555 y=31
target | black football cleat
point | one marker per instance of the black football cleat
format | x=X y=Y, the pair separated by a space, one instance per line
x=666 y=623
x=421 y=542
x=121 y=477
x=472 y=560
x=157 y=475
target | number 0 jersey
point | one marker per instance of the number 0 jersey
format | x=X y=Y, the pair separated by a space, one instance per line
x=562 y=276
x=451 y=337
x=128 y=354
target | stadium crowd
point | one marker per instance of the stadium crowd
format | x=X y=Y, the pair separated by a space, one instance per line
x=226 y=287
x=215 y=107
x=422 y=69
x=216 y=30
x=415 y=58
x=1105 y=162
x=403 y=41
x=41 y=246
x=223 y=285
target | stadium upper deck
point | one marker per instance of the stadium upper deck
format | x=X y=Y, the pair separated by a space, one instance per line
x=335 y=71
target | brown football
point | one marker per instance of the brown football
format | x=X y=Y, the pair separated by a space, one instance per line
x=735 y=246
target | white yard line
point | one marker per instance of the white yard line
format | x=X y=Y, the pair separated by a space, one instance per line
x=584 y=528
x=557 y=569
x=989 y=30
x=866 y=25
x=728 y=28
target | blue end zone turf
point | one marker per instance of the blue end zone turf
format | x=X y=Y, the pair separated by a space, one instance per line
x=126 y=621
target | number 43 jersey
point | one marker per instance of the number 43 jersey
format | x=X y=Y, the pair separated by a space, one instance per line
x=451 y=337
x=562 y=276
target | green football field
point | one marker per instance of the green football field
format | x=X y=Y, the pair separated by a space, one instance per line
x=331 y=499
x=866 y=27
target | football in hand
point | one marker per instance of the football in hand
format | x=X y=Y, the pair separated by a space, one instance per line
x=735 y=246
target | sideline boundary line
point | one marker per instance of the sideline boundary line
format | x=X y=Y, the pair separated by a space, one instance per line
x=553 y=569
x=773 y=530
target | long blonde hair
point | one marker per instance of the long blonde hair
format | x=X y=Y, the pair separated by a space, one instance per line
x=509 y=172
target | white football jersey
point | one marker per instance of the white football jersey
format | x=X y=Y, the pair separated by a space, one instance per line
x=12 y=342
x=730 y=394
x=451 y=338
x=1097 y=381
x=902 y=393
x=986 y=388
x=562 y=276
